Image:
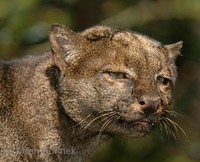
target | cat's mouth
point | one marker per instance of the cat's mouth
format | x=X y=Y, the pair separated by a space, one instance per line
x=138 y=127
x=142 y=121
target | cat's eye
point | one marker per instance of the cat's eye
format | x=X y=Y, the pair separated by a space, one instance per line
x=117 y=75
x=164 y=81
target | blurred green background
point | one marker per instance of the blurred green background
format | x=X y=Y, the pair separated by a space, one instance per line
x=24 y=31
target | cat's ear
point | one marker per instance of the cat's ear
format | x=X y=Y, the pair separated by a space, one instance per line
x=65 y=45
x=174 y=50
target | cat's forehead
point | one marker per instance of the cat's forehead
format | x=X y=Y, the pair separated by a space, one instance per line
x=123 y=43
x=137 y=51
x=125 y=36
x=125 y=49
x=138 y=42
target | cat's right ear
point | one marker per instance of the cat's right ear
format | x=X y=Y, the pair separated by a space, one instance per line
x=65 y=45
x=174 y=50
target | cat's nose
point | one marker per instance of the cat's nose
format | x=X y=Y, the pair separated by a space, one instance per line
x=149 y=105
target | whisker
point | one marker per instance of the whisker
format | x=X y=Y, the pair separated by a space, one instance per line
x=123 y=140
x=107 y=117
x=96 y=119
x=170 y=130
x=82 y=121
x=166 y=130
x=115 y=120
x=103 y=111
x=106 y=124
x=179 y=127
x=173 y=113
x=161 y=130
x=167 y=120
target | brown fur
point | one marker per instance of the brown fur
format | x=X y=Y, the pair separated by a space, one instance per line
x=93 y=85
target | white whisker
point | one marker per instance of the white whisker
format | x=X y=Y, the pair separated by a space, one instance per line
x=106 y=124
x=96 y=119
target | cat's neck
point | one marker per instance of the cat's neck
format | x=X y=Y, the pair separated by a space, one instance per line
x=82 y=144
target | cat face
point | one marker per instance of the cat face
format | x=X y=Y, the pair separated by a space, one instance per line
x=114 y=81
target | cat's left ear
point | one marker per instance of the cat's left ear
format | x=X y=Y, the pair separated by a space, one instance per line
x=174 y=50
x=66 y=46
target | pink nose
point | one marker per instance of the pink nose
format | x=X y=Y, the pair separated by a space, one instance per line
x=149 y=105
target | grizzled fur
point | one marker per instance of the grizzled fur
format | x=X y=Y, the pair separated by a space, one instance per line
x=91 y=86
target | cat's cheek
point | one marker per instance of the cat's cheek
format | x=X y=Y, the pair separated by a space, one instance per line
x=106 y=84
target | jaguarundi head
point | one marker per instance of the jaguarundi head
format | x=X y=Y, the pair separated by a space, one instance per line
x=114 y=81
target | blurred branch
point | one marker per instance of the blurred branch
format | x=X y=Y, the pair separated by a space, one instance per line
x=146 y=11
